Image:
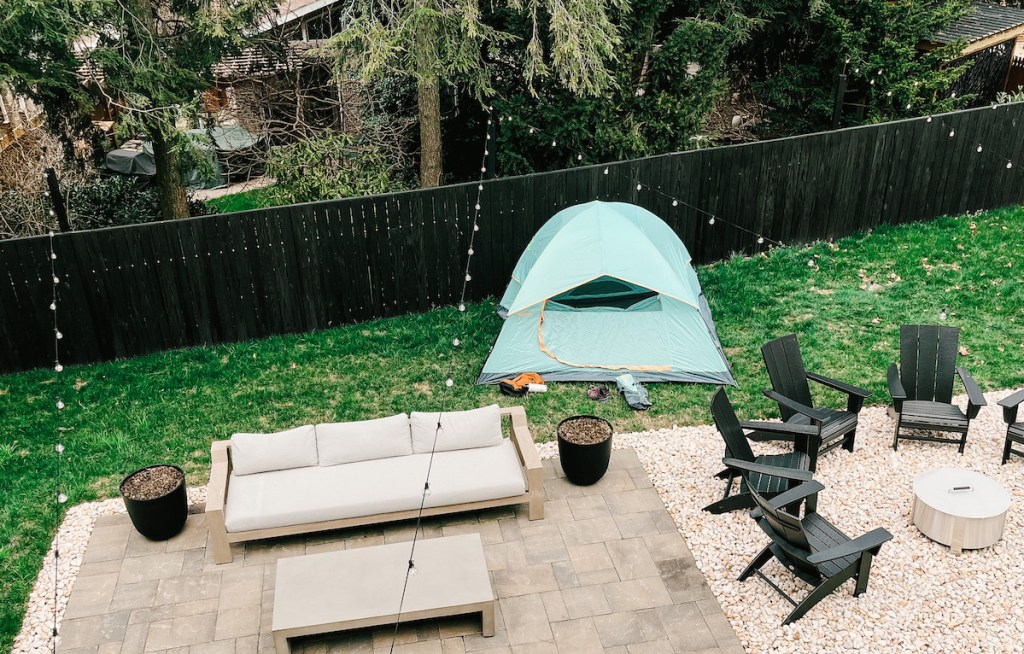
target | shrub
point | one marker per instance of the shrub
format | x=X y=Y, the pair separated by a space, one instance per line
x=329 y=167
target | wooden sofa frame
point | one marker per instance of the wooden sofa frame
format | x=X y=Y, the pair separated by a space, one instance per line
x=220 y=475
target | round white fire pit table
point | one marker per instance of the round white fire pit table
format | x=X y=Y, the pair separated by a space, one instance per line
x=960 y=508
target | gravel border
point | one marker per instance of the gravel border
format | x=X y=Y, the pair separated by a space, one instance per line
x=921 y=596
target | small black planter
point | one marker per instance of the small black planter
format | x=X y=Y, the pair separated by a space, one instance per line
x=584 y=464
x=162 y=517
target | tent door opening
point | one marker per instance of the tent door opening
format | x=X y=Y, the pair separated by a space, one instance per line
x=606 y=292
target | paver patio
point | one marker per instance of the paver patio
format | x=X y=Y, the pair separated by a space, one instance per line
x=605 y=570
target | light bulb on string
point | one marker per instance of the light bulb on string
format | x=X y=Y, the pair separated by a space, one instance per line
x=462 y=308
x=483 y=169
x=639 y=186
x=605 y=171
x=53 y=306
x=56 y=279
x=480 y=187
x=928 y=119
x=711 y=220
x=469 y=278
x=449 y=382
x=456 y=342
x=61 y=498
x=476 y=227
x=470 y=252
x=531 y=130
x=675 y=203
x=59 y=448
x=952 y=133
x=579 y=157
x=942 y=314
x=53 y=255
x=60 y=405
x=810 y=263
x=554 y=143
x=979 y=148
x=1009 y=164
x=477 y=207
x=760 y=239
x=59 y=336
x=58 y=368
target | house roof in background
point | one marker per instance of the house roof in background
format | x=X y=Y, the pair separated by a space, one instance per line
x=985 y=21
x=289 y=10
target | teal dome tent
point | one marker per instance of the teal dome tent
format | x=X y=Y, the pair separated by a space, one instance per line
x=606 y=288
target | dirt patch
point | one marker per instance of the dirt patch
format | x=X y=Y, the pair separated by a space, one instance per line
x=585 y=431
x=151 y=483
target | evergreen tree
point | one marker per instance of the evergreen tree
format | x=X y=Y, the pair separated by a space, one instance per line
x=450 y=41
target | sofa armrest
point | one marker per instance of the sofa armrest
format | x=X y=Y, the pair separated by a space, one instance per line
x=528 y=456
x=216 y=496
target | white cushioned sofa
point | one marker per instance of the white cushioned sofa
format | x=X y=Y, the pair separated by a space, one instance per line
x=330 y=476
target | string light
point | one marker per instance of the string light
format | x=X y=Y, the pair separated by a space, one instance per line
x=58 y=447
x=942 y=314
x=712 y=218
x=448 y=383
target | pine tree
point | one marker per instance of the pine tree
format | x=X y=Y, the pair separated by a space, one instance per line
x=448 y=41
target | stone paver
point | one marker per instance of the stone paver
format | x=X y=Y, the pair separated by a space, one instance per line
x=605 y=571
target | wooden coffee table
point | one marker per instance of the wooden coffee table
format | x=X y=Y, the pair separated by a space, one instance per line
x=960 y=508
x=351 y=589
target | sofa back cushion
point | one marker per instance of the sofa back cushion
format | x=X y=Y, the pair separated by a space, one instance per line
x=348 y=442
x=460 y=430
x=293 y=448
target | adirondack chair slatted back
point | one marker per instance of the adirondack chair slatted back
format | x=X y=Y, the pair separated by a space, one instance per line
x=736 y=445
x=786 y=370
x=928 y=361
x=788 y=528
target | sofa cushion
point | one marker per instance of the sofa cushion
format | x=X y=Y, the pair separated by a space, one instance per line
x=460 y=429
x=348 y=442
x=304 y=495
x=254 y=453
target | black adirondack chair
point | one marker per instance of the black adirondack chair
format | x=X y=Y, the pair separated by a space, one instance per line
x=769 y=474
x=1014 y=429
x=793 y=394
x=811 y=547
x=922 y=386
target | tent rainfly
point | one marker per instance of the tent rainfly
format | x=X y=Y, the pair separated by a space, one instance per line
x=606 y=288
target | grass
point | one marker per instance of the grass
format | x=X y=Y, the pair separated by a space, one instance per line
x=168 y=407
x=257 y=198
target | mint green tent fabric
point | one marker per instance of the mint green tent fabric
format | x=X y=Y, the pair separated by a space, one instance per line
x=605 y=288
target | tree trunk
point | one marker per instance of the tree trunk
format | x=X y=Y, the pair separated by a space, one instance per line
x=169 y=182
x=429 y=99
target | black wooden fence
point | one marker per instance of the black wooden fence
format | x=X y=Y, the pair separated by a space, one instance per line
x=130 y=290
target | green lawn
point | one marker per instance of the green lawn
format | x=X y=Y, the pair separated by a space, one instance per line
x=257 y=198
x=169 y=407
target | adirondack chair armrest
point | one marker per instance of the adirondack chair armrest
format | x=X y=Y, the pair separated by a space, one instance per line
x=869 y=542
x=975 y=400
x=779 y=427
x=792 y=496
x=849 y=389
x=896 y=390
x=816 y=416
x=772 y=471
x=1010 y=405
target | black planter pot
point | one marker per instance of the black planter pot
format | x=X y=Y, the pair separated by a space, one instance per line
x=162 y=517
x=584 y=464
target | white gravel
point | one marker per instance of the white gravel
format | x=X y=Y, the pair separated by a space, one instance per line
x=921 y=597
